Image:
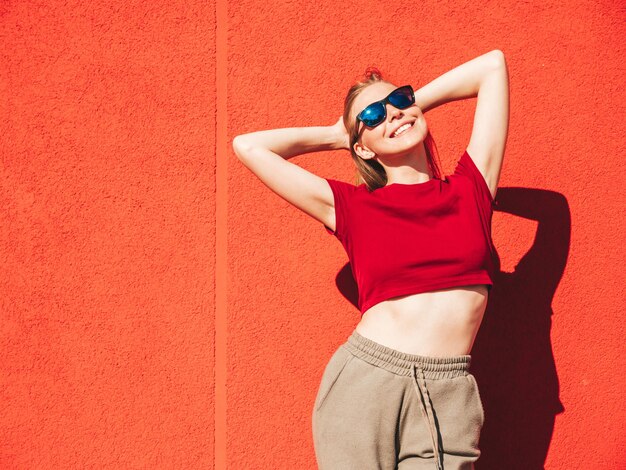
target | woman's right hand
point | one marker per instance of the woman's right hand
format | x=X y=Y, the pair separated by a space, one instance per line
x=342 y=137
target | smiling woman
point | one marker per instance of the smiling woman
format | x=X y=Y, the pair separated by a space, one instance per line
x=381 y=109
x=420 y=308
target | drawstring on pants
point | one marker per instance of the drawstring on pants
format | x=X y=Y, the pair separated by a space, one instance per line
x=423 y=396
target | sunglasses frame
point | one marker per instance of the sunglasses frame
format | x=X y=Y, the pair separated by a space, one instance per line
x=384 y=102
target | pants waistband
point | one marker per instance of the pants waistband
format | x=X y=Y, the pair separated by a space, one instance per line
x=401 y=363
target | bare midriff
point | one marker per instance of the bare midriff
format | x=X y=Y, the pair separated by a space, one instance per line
x=438 y=323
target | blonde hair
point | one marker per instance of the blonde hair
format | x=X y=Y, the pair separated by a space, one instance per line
x=370 y=171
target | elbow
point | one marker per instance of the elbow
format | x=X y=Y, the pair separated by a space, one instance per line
x=498 y=58
x=240 y=146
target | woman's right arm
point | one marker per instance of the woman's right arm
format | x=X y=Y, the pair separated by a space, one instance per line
x=265 y=153
x=292 y=141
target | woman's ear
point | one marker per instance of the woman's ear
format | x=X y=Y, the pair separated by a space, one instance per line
x=363 y=151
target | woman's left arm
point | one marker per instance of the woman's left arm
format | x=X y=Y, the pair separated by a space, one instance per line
x=486 y=76
x=491 y=125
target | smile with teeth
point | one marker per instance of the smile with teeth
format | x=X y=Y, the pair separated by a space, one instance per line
x=402 y=129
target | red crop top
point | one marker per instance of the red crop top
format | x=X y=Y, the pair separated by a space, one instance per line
x=405 y=239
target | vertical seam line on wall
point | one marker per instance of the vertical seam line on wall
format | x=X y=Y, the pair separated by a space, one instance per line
x=221 y=239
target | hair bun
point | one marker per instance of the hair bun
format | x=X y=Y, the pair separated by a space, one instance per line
x=373 y=72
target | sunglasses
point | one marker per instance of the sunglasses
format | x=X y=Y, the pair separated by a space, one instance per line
x=376 y=113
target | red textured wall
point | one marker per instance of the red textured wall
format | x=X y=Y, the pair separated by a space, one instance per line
x=161 y=308
x=107 y=200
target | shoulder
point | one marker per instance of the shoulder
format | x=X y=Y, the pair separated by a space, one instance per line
x=341 y=185
x=341 y=189
x=467 y=169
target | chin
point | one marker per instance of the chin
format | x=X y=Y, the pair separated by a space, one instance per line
x=413 y=141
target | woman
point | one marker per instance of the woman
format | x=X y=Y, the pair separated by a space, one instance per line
x=398 y=393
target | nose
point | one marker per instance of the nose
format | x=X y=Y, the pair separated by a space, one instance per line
x=393 y=112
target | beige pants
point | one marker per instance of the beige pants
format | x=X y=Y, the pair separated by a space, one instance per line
x=379 y=408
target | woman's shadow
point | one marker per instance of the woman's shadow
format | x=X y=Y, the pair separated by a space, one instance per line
x=512 y=355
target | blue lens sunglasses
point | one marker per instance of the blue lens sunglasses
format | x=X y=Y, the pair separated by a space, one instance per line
x=376 y=113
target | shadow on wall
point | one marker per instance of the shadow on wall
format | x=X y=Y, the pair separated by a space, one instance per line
x=512 y=356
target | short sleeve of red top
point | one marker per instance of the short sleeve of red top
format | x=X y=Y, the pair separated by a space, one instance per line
x=405 y=239
x=342 y=193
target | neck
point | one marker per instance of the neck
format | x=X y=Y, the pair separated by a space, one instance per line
x=410 y=168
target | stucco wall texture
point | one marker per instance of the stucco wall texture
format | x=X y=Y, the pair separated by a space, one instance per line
x=107 y=234
x=162 y=308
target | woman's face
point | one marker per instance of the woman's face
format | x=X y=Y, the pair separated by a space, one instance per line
x=378 y=141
